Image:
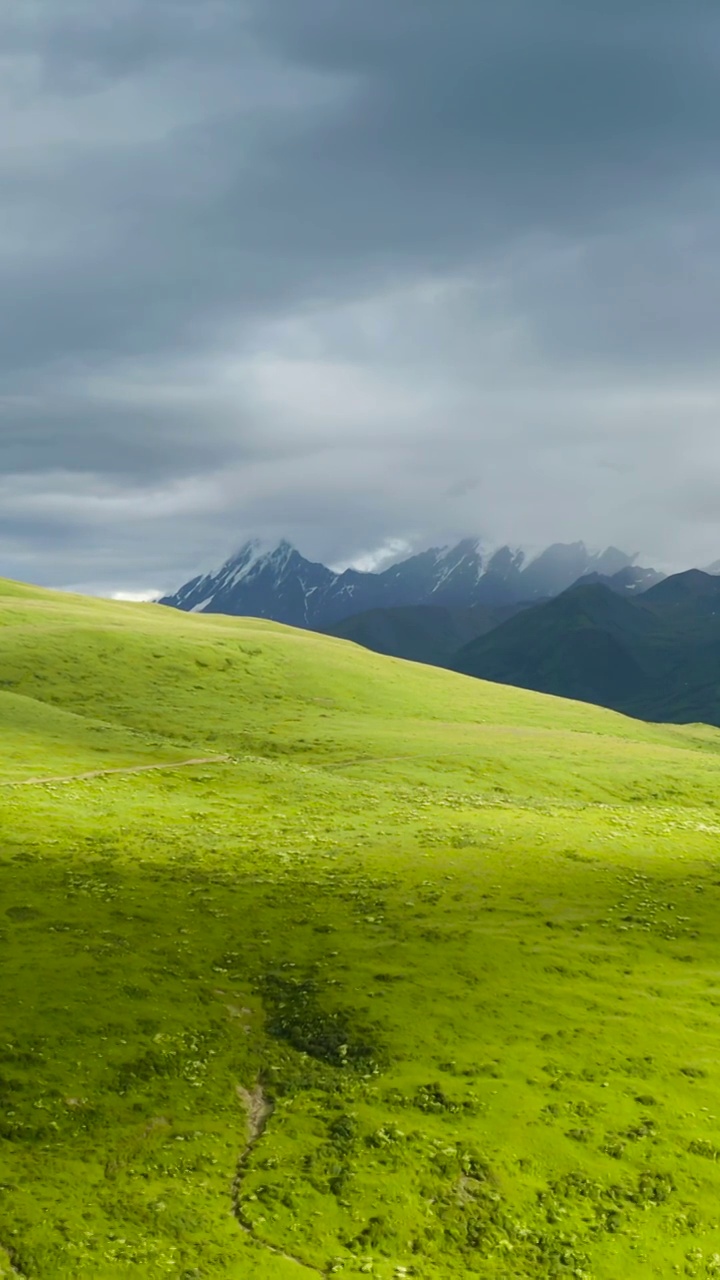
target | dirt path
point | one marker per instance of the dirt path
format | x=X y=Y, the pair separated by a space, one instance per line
x=258 y=1108
x=105 y=773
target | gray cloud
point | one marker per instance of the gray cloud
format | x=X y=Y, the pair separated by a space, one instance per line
x=355 y=273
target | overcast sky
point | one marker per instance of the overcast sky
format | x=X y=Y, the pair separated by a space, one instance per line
x=355 y=272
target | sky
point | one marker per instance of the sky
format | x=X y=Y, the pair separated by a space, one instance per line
x=363 y=275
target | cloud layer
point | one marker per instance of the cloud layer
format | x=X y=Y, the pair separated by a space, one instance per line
x=355 y=274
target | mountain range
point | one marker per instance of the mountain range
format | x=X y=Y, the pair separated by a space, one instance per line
x=653 y=654
x=585 y=625
x=656 y=657
x=280 y=584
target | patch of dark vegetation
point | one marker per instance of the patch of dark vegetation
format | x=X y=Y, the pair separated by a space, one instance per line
x=579 y=1135
x=615 y=1143
x=433 y=1100
x=26 y=1057
x=651 y=1187
x=335 y=1037
x=135 y=992
x=701 y=1147
x=21 y=913
x=183 y=1057
x=330 y=1167
x=477 y=1222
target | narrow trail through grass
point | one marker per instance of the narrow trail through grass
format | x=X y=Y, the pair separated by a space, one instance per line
x=259 y=1107
x=105 y=773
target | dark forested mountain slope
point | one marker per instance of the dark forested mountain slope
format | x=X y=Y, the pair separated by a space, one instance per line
x=630 y=581
x=422 y=633
x=686 y=598
x=657 y=657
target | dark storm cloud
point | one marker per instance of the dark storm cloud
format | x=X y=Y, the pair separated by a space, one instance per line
x=353 y=273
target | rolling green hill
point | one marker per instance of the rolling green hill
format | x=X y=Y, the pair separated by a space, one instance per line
x=382 y=971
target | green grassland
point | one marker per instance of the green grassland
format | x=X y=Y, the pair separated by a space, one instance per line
x=416 y=976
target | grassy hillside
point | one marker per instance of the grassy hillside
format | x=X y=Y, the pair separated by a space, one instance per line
x=420 y=980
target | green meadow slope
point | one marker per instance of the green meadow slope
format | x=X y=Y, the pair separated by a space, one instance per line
x=412 y=976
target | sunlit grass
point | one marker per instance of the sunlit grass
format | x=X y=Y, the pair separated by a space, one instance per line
x=463 y=936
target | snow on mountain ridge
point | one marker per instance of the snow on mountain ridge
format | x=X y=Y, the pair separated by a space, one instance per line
x=278 y=582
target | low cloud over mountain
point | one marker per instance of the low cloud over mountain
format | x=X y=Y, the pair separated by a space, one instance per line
x=281 y=584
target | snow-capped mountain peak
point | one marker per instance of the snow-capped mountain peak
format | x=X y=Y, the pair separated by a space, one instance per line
x=278 y=582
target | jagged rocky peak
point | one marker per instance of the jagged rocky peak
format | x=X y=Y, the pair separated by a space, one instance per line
x=278 y=582
x=256 y=553
x=243 y=561
x=466 y=549
x=506 y=560
x=612 y=561
x=632 y=580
